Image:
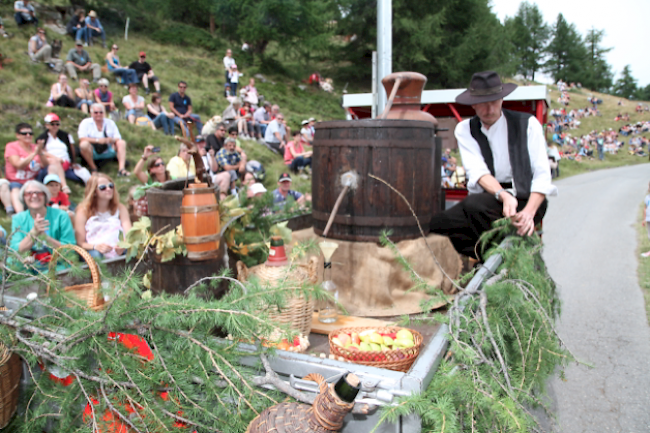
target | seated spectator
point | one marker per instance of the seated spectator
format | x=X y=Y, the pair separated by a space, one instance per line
x=208 y=155
x=182 y=165
x=156 y=171
x=306 y=132
x=275 y=136
x=59 y=151
x=84 y=95
x=215 y=141
x=160 y=117
x=247 y=181
x=101 y=218
x=100 y=139
x=24 y=160
x=24 y=13
x=94 y=28
x=5 y=196
x=134 y=105
x=450 y=166
x=248 y=129
x=262 y=117
x=231 y=161
x=104 y=96
x=181 y=105
x=127 y=75
x=40 y=229
x=145 y=73
x=252 y=95
x=40 y=51
x=61 y=93
x=77 y=26
x=256 y=190
x=232 y=114
x=58 y=198
x=284 y=190
x=78 y=60
x=295 y=155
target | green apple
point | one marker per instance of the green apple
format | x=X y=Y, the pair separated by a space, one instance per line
x=365 y=338
x=404 y=343
x=388 y=341
x=337 y=342
x=376 y=338
x=404 y=334
x=365 y=347
x=375 y=347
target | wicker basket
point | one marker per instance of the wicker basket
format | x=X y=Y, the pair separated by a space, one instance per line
x=88 y=293
x=397 y=359
x=298 y=312
x=10 y=372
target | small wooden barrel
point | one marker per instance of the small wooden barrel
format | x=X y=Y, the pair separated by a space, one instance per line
x=200 y=221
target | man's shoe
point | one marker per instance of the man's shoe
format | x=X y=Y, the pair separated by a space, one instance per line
x=147 y=91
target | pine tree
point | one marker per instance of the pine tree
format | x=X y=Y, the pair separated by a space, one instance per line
x=529 y=36
x=598 y=75
x=567 y=52
x=626 y=86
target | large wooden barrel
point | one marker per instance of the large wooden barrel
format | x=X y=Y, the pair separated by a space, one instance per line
x=200 y=220
x=178 y=274
x=404 y=153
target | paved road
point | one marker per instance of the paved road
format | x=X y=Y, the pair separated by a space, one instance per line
x=591 y=252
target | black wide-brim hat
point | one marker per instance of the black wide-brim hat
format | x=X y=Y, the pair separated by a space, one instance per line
x=485 y=87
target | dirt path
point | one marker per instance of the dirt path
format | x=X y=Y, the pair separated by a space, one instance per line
x=590 y=249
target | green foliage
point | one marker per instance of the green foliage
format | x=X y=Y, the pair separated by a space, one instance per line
x=598 y=74
x=139 y=238
x=626 y=86
x=503 y=348
x=567 y=52
x=529 y=35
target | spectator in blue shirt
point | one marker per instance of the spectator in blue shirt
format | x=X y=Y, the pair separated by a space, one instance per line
x=230 y=160
x=94 y=28
x=181 y=105
x=284 y=190
x=24 y=13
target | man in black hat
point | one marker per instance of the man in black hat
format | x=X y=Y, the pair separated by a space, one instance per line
x=508 y=174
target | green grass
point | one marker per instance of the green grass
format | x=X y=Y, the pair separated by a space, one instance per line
x=644 y=262
x=26 y=88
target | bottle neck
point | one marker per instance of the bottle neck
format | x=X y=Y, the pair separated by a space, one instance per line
x=347 y=388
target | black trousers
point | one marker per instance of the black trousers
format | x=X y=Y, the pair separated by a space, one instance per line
x=464 y=223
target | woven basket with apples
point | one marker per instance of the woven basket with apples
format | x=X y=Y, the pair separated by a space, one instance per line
x=391 y=348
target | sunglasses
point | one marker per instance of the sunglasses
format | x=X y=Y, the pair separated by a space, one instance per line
x=115 y=48
x=34 y=193
x=158 y=164
x=103 y=187
x=234 y=133
x=55 y=123
x=26 y=133
x=98 y=112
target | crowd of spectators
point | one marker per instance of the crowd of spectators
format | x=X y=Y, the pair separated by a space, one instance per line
x=35 y=189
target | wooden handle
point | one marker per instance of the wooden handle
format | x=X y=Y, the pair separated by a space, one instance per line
x=334 y=210
x=201 y=174
x=389 y=103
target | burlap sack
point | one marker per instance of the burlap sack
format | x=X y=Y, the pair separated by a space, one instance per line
x=372 y=283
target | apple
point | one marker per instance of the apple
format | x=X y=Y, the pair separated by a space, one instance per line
x=337 y=342
x=388 y=341
x=353 y=348
x=376 y=338
x=355 y=338
x=365 y=347
x=365 y=338
x=375 y=347
x=344 y=339
x=392 y=335
x=283 y=345
x=404 y=343
x=404 y=334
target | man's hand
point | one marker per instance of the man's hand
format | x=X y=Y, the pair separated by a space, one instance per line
x=509 y=204
x=524 y=222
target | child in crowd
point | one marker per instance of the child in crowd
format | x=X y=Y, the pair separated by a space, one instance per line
x=59 y=199
x=646 y=218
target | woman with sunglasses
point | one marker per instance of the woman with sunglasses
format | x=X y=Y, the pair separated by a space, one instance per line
x=40 y=228
x=113 y=63
x=24 y=160
x=101 y=218
x=160 y=117
x=156 y=171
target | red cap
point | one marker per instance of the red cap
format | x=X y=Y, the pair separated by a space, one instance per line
x=143 y=54
x=52 y=117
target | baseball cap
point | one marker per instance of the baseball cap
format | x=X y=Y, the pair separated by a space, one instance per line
x=284 y=177
x=79 y=43
x=305 y=122
x=51 y=178
x=200 y=138
x=143 y=54
x=311 y=119
x=257 y=188
x=52 y=117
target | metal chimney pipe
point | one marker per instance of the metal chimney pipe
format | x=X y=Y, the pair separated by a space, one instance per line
x=384 y=48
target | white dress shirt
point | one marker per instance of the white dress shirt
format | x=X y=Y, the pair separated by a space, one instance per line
x=497 y=135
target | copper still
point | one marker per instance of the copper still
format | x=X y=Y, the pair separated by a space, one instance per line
x=406 y=101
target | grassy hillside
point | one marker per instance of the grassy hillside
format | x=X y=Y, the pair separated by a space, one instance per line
x=26 y=88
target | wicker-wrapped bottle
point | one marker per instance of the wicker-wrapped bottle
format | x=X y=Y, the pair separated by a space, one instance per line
x=325 y=416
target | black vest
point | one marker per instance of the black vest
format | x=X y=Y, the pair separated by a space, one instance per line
x=65 y=138
x=522 y=173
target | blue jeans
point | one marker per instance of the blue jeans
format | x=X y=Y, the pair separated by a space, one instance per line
x=263 y=128
x=88 y=102
x=600 y=152
x=20 y=19
x=128 y=75
x=233 y=88
x=79 y=34
x=299 y=162
x=164 y=122
x=195 y=118
x=92 y=33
